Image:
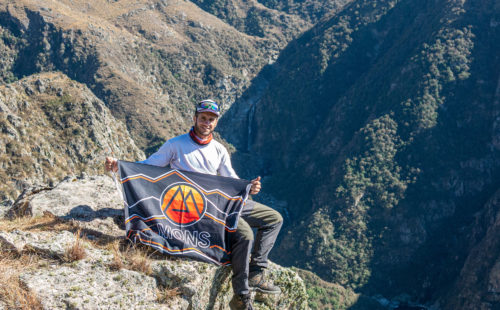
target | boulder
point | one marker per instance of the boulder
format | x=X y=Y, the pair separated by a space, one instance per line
x=53 y=244
x=86 y=286
x=92 y=201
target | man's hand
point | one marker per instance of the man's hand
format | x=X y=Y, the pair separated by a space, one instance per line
x=255 y=186
x=111 y=164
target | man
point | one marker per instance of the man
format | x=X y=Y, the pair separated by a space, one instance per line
x=197 y=151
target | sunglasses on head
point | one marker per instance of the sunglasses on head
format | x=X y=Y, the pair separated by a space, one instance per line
x=209 y=105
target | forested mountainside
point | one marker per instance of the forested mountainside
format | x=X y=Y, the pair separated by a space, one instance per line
x=379 y=126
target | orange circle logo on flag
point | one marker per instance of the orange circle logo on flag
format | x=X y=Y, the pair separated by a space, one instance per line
x=183 y=204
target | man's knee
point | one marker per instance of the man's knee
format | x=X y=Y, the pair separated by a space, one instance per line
x=275 y=218
x=244 y=231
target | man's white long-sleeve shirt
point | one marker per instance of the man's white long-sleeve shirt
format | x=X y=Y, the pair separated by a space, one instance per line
x=183 y=153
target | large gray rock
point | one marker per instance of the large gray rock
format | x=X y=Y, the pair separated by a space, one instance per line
x=94 y=202
x=88 y=287
x=211 y=288
x=91 y=283
x=51 y=243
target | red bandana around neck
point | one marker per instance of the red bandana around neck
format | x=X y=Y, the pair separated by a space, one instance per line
x=197 y=139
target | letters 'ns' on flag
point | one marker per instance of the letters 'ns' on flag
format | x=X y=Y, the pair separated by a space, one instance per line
x=182 y=213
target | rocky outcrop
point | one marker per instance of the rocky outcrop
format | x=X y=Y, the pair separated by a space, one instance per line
x=84 y=215
x=92 y=201
x=50 y=127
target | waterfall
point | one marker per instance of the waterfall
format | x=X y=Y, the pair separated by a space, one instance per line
x=251 y=114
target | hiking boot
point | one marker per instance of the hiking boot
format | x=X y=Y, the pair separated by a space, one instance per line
x=258 y=282
x=241 y=302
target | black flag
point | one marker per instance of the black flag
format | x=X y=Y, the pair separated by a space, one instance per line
x=182 y=213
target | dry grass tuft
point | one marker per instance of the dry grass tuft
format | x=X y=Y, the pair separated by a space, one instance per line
x=140 y=261
x=12 y=292
x=131 y=257
x=76 y=251
x=117 y=262
x=165 y=294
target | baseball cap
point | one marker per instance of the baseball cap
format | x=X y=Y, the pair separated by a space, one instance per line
x=208 y=105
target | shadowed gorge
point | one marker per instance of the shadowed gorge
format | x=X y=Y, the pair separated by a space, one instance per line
x=378 y=128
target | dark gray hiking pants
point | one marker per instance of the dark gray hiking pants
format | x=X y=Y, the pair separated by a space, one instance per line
x=243 y=259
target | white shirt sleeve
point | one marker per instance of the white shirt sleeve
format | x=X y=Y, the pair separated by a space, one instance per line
x=225 y=168
x=162 y=157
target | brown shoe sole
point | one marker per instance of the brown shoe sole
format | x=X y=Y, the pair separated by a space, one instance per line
x=258 y=289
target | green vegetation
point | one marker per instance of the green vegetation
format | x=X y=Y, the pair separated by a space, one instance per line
x=9 y=46
x=323 y=295
x=256 y=20
x=374 y=177
x=310 y=10
x=374 y=128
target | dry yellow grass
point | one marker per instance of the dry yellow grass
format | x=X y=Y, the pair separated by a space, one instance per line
x=12 y=292
x=140 y=261
x=28 y=223
x=16 y=296
x=47 y=222
x=132 y=257
x=125 y=256
x=76 y=251
x=117 y=262
x=165 y=294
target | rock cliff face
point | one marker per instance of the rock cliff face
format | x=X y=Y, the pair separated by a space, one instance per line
x=478 y=286
x=78 y=259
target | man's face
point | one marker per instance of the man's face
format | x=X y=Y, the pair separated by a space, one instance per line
x=204 y=124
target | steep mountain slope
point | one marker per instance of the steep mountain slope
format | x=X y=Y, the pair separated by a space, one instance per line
x=253 y=18
x=309 y=10
x=478 y=285
x=147 y=60
x=270 y=18
x=52 y=127
x=379 y=126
